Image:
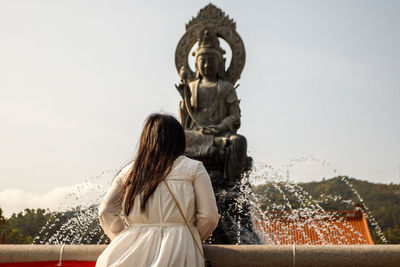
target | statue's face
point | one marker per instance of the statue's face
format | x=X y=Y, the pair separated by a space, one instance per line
x=207 y=65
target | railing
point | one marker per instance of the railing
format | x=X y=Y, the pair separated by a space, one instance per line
x=230 y=255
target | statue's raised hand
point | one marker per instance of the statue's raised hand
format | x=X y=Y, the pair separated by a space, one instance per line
x=183 y=74
x=181 y=88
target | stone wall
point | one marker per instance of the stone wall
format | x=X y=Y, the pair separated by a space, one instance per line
x=231 y=255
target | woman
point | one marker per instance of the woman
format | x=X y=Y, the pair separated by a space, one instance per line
x=157 y=234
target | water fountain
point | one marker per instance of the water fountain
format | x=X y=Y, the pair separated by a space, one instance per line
x=262 y=194
x=284 y=200
x=76 y=220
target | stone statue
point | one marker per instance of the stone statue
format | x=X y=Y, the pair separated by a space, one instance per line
x=210 y=114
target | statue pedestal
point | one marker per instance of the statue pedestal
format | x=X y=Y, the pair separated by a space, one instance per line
x=236 y=224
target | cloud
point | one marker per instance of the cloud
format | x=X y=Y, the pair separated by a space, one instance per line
x=16 y=200
x=59 y=198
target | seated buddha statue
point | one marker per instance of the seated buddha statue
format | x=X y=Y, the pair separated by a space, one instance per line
x=210 y=114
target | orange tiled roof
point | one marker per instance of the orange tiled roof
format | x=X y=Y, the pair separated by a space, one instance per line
x=331 y=227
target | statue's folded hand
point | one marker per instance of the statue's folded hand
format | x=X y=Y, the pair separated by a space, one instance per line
x=217 y=129
x=206 y=130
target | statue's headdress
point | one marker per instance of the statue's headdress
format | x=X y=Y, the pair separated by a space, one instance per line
x=208 y=43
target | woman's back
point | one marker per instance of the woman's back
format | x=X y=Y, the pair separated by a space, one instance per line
x=161 y=208
x=158 y=235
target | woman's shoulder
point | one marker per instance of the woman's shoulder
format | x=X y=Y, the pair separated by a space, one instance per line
x=189 y=161
x=185 y=168
x=121 y=176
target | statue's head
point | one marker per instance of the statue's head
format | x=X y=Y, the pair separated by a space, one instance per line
x=209 y=60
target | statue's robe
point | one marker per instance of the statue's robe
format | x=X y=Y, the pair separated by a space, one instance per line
x=222 y=108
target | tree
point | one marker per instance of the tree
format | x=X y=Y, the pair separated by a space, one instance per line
x=22 y=228
x=3 y=223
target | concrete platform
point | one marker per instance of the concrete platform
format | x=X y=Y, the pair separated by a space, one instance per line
x=231 y=255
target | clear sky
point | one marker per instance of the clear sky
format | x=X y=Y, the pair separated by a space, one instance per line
x=77 y=79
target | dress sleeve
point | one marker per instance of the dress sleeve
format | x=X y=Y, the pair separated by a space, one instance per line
x=206 y=207
x=110 y=210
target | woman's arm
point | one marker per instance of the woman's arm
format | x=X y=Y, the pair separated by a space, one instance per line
x=206 y=207
x=110 y=210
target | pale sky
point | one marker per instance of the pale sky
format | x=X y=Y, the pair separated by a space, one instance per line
x=77 y=79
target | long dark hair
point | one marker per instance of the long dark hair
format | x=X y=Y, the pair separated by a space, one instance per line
x=161 y=142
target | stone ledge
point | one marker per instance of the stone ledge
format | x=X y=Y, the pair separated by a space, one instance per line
x=32 y=253
x=231 y=255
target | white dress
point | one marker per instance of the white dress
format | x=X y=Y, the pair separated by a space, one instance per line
x=158 y=236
